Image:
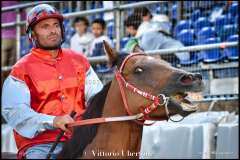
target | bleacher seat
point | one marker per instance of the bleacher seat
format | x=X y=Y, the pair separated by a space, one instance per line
x=232 y=53
x=233 y=9
x=103 y=69
x=195 y=15
x=65 y=10
x=189 y=5
x=174 y=11
x=158 y=10
x=200 y=23
x=66 y=22
x=221 y=21
x=212 y=55
x=206 y=4
x=227 y=31
x=186 y=36
x=235 y=20
x=194 y=58
x=183 y=24
x=205 y=33
x=110 y=29
x=98 y=50
x=24 y=45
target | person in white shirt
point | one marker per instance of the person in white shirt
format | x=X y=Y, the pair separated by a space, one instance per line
x=98 y=28
x=155 y=33
x=82 y=39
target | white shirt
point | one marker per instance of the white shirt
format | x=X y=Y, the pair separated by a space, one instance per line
x=100 y=40
x=82 y=44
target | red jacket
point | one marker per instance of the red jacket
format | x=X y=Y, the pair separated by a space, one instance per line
x=56 y=88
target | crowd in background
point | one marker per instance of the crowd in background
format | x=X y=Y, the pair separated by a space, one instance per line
x=150 y=31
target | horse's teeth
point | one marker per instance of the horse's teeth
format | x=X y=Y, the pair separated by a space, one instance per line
x=188 y=107
x=194 y=96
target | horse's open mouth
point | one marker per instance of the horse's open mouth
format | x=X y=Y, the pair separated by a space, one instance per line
x=185 y=101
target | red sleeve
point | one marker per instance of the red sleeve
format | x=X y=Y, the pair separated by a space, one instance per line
x=18 y=71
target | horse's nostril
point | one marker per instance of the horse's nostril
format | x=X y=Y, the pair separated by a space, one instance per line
x=187 y=78
x=198 y=76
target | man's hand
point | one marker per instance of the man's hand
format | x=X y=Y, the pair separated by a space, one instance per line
x=61 y=121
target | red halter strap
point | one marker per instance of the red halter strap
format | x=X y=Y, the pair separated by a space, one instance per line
x=157 y=100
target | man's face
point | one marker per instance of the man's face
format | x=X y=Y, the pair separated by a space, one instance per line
x=146 y=18
x=47 y=34
x=97 y=29
x=130 y=30
x=80 y=27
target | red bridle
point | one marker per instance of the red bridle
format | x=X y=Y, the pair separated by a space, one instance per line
x=158 y=101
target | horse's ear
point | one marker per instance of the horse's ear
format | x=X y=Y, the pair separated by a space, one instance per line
x=138 y=49
x=110 y=53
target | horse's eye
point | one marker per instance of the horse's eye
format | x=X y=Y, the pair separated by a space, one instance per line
x=138 y=70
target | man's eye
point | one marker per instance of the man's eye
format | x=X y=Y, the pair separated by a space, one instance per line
x=45 y=26
x=138 y=70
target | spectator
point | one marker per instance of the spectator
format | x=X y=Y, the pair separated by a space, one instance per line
x=146 y=17
x=98 y=28
x=158 y=36
x=155 y=33
x=81 y=40
x=144 y=13
x=132 y=23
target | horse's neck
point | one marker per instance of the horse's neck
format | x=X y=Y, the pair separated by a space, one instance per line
x=115 y=139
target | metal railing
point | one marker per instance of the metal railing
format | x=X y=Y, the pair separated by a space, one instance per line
x=173 y=50
x=102 y=59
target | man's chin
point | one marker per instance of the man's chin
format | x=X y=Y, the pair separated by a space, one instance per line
x=50 y=47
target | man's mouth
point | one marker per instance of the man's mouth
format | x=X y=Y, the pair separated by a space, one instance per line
x=53 y=37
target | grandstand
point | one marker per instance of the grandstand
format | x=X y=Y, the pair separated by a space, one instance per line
x=209 y=30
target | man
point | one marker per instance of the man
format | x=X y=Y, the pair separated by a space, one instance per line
x=45 y=86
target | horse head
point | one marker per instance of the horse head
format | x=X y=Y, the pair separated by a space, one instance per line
x=152 y=76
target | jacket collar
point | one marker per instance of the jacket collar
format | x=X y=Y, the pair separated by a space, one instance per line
x=46 y=55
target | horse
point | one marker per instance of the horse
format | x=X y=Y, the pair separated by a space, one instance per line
x=142 y=85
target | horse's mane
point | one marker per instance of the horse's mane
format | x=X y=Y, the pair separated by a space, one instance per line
x=83 y=135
